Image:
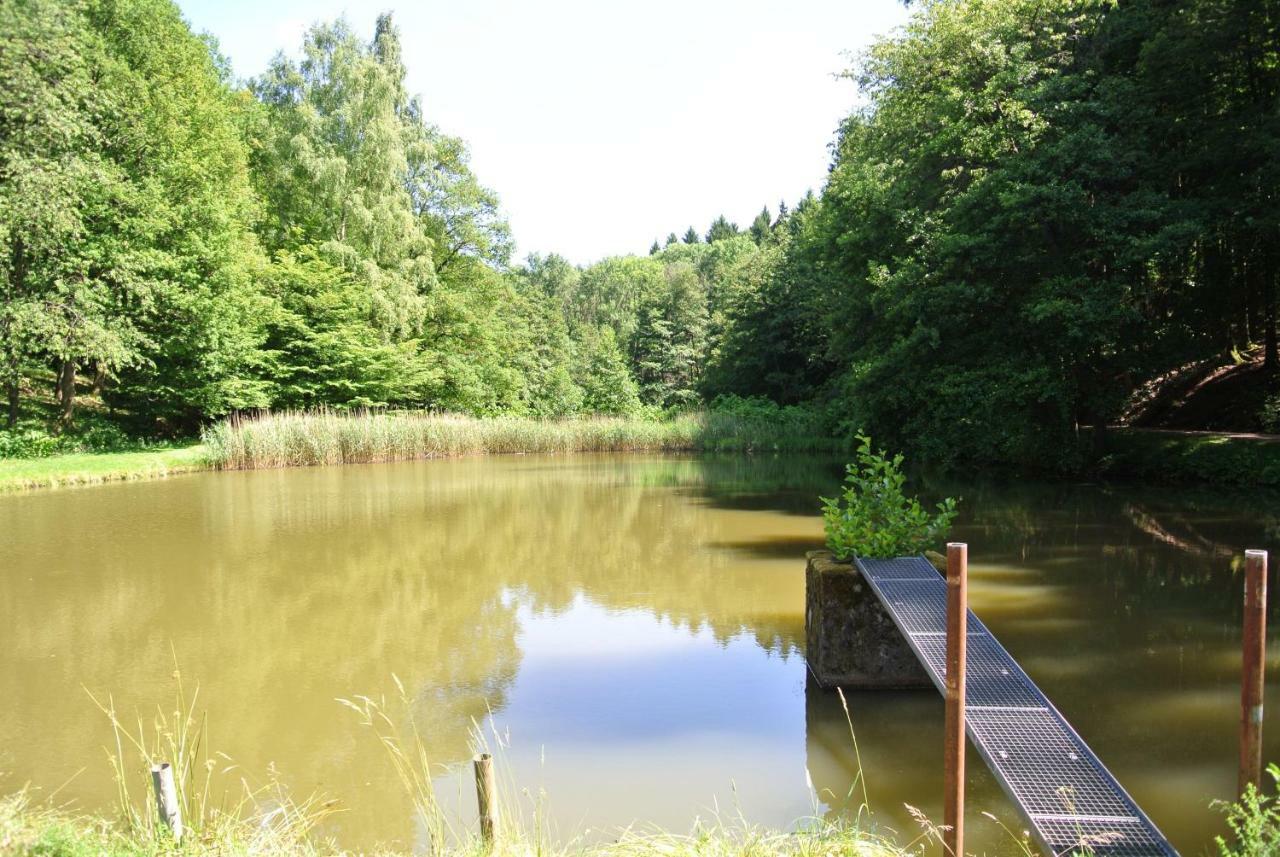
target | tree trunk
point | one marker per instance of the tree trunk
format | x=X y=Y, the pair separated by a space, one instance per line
x=99 y=377
x=1269 y=360
x=67 y=391
x=11 y=389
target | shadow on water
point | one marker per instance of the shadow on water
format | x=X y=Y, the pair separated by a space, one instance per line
x=778 y=548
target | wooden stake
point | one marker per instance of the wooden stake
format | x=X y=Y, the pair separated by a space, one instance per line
x=167 y=798
x=486 y=797
x=1255 y=667
x=957 y=637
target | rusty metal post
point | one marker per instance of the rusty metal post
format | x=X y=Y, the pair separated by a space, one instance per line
x=957 y=637
x=1255 y=667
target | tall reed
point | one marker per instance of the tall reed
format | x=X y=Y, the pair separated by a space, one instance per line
x=300 y=438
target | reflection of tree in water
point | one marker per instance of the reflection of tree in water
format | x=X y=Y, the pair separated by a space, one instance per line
x=1143 y=539
x=277 y=594
x=280 y=591
x=610 y=529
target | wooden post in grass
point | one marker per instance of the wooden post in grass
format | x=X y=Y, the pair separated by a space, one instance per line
x=167 y=798
x=486 y=797
x=957 y=631
x=1255 y=667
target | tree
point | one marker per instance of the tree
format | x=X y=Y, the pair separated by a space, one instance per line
x=671 y=239
x=459 y=215
x=321 y=349
x=762 y=227
x=655 y=248
x=602 y=374
x=49 y=118
x=691 y=236
x=670 y=339
x=612 y=291
x=333 y=168
x=126 y=207
x=721 y=229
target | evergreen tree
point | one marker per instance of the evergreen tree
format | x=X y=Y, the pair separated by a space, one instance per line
x=691 y=236
x=721 y=229
x=762 y=227
x=655 y=248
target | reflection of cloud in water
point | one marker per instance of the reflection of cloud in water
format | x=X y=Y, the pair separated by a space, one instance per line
x=612 y=705
x=637 y=617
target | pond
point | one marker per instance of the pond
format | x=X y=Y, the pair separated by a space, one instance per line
x=630 y=627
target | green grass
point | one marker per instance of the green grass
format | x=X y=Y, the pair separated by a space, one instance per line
x=91 y=468
x=330 y=437
x=27 y=830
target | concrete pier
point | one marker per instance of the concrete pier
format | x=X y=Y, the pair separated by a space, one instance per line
x=851 y=642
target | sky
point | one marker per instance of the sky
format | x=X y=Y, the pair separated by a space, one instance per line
x=605 y=125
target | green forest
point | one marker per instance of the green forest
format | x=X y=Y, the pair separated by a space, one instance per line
x=1044 y=214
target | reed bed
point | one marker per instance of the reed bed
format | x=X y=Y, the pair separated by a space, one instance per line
x=305 y=438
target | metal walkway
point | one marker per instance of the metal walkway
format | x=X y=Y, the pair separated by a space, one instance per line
x=1073 y=802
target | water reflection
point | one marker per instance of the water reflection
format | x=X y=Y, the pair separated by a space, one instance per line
x=637 y=615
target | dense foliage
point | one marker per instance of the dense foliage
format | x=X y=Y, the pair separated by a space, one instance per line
x=1041 y=207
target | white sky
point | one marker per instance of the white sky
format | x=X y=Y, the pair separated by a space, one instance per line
x=604 y=125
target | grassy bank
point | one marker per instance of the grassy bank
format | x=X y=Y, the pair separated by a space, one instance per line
x=91 y=468
x=334 y=437
x=299 y=439
x=1165 y=456
x=28 y=831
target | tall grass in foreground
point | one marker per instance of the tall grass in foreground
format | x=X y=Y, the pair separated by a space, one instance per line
x=226 y=814
x=336 y=437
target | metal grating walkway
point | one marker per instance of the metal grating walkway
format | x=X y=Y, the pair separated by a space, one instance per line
x=1073 y=802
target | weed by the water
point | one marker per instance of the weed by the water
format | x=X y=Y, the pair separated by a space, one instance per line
x=345 y=437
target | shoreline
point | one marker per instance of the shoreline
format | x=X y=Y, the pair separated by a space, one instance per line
x=299 y=440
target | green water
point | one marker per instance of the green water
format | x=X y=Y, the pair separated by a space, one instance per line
x=632 y=625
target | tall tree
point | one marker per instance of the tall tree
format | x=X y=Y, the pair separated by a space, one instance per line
x=334 y=162
x=721 y=229
x=762 y=227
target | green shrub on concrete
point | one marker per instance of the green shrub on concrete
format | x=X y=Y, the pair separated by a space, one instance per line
x=874 y=517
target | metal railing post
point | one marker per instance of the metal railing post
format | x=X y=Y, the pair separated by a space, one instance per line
x=957 y=638
x=1255 y=667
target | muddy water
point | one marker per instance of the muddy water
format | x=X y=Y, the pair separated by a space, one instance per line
x=631 y=628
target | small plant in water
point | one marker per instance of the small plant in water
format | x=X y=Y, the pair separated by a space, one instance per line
x=874 y=517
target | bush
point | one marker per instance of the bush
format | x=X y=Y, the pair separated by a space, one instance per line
x=874 y=517
x=28 y=443
x=1254 y=822
x=31 y=441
